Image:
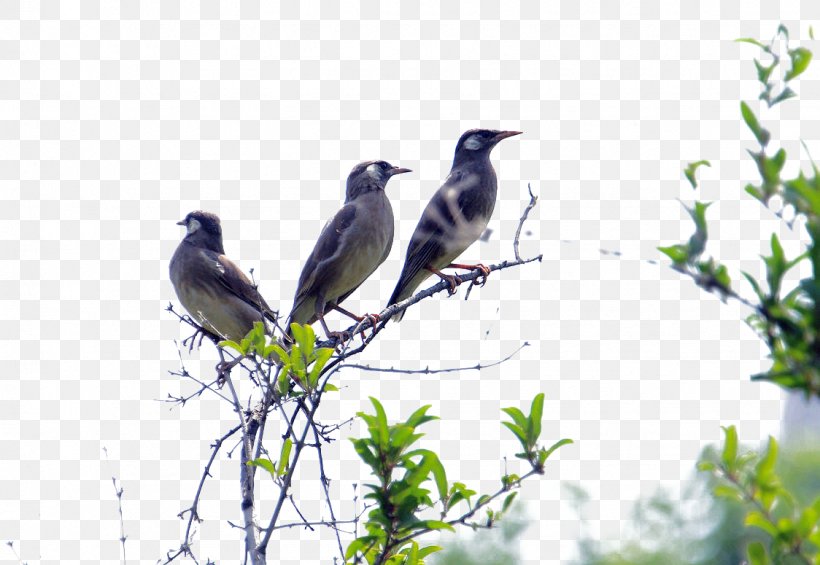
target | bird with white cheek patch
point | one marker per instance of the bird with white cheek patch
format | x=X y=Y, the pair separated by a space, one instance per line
x=211 y=287
x=455 y=217
x=350 y=247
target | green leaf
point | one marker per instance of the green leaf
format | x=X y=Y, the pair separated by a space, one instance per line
x=761 y=134
x=729 y=455
x=419 y=417
x=751 y=41
x=265 y=463
x=536 y=414
x=782 y=97
x=758 y=520
x=518 y=432
x=517 y=416
x=730 y=492
x=322 y=356
x=801 y=57
x=359 y=544
x=755 y=192
x=755 y=285
x=433 y=525
x=545 y=453
x=706 y=466
x=284 y=457
x=678 y=253
x=380 y=431
x=279 y=351
x=807 y=522
x=764 y=72
x=227 y=343
x=331 y=388
x=767 y=463
x=508 y=501
x=689 y=171
x=757 y=554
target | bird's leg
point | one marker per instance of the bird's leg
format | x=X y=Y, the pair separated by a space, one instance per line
x=340 y=337
x=223 y=368
x=485 y=270
x=453 y=280
x=374 y=318
x=200 y=332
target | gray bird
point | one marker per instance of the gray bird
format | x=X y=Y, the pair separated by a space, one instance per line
x=350 y=247
x=455 y=217
x=211 y=287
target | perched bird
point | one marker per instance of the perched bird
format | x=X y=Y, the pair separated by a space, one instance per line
x=455 y=217
x=350 y=247
x=210 y=286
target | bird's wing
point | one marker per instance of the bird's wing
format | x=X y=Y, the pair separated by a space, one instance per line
x=319 y=265
x=231 y=277
x=442 y=216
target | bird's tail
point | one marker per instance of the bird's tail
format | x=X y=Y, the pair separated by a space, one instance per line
x=399 y=294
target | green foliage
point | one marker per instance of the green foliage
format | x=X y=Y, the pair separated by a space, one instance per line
x=275 y=470
x=787 y=321
x=411 y=482
x=303 y=362
x=792 y=528
x=689 y=171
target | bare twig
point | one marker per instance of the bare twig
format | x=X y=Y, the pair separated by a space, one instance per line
x=118 y=491
x=246 y=474
x=326 y=484
x=10 y=545
x=428 y=371
x=286 y=481
x=193 y=510
x=530 y=206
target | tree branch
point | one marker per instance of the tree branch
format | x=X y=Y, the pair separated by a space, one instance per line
x=428 y=371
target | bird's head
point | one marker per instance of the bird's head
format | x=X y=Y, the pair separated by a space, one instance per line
x=203 y=228
x=476 y=143
x=370 y=175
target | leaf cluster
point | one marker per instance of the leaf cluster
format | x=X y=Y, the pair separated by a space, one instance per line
x=411 y=482
x=793 y=530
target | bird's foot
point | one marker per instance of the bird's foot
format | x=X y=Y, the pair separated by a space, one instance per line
x=481 y=280
x=224 y=368
x=190 y=340
x=452 y=280
x=339 y=337
x=374 y=319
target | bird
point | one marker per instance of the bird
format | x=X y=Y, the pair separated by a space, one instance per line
x=350 y=247
x=211 y=287
x=455 y=217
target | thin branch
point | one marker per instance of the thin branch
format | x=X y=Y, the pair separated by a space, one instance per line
x=307 y=524
x=118 y=492
x=428 y=371
x=10 y=545
x=193 y=510
x=246 y=474
x=467 y=515
x=283 y=492
x=530 y=206
x=326 y=483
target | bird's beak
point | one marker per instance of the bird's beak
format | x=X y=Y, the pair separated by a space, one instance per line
x=398 y=171
x=181 y=223
x=506 y=134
